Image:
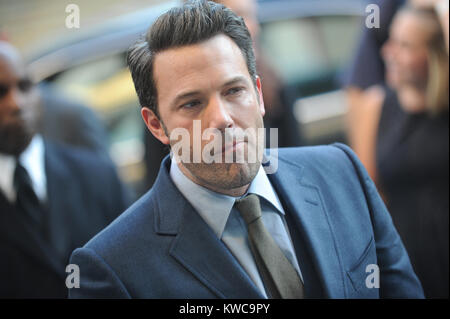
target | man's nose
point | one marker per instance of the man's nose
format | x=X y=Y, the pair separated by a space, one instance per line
x=218 y=115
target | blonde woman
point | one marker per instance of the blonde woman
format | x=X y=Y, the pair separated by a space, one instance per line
x=404 y=141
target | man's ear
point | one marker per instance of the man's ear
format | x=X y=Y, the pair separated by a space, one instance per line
x=154 y=125
x=260 y=96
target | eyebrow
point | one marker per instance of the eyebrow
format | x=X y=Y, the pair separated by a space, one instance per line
x=235 y=80
x=189 y=94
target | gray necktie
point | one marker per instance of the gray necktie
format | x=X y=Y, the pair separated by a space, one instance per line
x=279 y=276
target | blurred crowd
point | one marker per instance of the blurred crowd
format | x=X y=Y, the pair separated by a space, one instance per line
x=59 y=186
x=398 y=125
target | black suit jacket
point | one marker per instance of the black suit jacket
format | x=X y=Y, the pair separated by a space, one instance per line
x=84 y=195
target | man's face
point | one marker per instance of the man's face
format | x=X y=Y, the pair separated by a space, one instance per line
x=18 y=104
x=209 y=82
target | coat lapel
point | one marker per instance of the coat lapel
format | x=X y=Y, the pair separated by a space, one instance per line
x=305 y=202
x=196 y=247
x=207 y=258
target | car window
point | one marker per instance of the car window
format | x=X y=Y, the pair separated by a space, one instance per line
x=305 y=48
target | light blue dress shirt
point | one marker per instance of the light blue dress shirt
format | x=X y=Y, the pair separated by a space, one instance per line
x=226 y=222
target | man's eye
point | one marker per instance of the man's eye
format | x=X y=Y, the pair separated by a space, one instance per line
x=191 y=104
x=234 y=90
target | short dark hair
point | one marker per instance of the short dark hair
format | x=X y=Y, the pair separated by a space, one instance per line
x=191 y=23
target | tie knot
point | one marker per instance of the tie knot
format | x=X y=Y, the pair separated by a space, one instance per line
x=249 y=207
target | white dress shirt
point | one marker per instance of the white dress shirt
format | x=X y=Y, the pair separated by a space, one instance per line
x=32 y=159
x=228 y=225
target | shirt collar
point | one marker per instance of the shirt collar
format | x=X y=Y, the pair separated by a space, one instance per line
x=32 y=159
x=7 y=166
x=262 y=187
x=214 y=207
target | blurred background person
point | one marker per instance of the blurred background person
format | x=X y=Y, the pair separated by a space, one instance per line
x=66 y=121
x=53 y=198
x=406 y=133
x=366 y=71
x=412 y=148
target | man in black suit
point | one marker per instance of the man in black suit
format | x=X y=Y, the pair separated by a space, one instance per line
x=53 y=198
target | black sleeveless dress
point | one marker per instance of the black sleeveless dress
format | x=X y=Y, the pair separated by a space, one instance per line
x=412 y=155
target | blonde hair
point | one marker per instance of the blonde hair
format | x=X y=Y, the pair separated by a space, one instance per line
x=436 y=94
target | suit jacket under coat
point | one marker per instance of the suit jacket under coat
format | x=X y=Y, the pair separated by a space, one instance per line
x=161 y=248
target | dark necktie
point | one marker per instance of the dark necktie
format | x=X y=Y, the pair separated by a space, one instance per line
x=279 y=276
x=26 y=201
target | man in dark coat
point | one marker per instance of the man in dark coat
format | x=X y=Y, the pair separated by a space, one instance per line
x=53 y=198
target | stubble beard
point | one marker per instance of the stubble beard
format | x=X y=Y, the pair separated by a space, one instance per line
x=223 y=176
